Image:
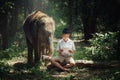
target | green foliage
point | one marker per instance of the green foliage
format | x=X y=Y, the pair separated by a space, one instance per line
x=6 y=6
x=58 y=31
x=44 y=74
x=104 y=46
x=4 y=69
x=56 y=14
x=83 y=53
x=16 y=48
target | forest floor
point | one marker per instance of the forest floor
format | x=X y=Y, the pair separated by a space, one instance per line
x=83 y=70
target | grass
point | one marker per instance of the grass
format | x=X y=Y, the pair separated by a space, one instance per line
x=82 y=53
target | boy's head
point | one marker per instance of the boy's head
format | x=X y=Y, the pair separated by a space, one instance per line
x=65 y=34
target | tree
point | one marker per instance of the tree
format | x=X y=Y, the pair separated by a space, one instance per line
x=28 y=7
x=70 y=12
x=88 y=18
x=9 y=18
x=33 y=5
x=5 y=6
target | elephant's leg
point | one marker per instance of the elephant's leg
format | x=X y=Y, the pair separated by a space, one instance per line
x=50 y=46
x=36 y=54
x=49 y=50
x=30 y=52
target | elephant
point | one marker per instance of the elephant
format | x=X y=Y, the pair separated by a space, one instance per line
x=39 y=30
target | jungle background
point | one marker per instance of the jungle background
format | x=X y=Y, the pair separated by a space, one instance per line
x=95 y=28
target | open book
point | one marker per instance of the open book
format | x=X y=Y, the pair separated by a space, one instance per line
x=66 y=53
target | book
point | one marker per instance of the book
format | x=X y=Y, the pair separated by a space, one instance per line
x=66 y=53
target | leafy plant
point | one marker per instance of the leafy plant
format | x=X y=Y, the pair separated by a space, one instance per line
x=4 y=68
x=104 y=46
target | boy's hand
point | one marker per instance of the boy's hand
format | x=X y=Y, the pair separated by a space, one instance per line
x=71 y=51
x=60 y=51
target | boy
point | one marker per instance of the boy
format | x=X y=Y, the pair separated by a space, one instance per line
x=65 y=49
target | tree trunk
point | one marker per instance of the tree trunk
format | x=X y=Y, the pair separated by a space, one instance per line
x=85 y=19
x=28 y=6
x=92 y=21
x=70 y=12
x=89 y=19
x=0 y=42
x=38 y=5
x=13 y=21
x=33 y=5
x=76 y=7
x=4 y=30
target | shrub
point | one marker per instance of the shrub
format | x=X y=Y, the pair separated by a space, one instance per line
x=4 y=69
x=104 y=46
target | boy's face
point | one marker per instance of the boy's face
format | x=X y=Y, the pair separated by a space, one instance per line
x=65 y=36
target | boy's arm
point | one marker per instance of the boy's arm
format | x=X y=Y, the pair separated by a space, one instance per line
x=71 y=51
x=59 y=50
x=73 y=48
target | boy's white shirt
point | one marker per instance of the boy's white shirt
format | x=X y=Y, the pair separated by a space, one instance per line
x=66 y=45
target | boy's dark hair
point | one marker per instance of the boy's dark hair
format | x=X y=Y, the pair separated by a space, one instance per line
x=66 y=31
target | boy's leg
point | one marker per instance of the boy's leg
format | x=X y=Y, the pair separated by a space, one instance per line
x=55 y=61
x=57 y=64
x=70 y=62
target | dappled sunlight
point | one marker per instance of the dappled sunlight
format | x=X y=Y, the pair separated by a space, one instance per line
x=19 y=59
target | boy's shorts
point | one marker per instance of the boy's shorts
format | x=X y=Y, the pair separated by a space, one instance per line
x=61 y=59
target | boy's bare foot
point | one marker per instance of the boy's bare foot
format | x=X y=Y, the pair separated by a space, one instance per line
x=45 y=57
x=65 y=69
x=69 y=65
